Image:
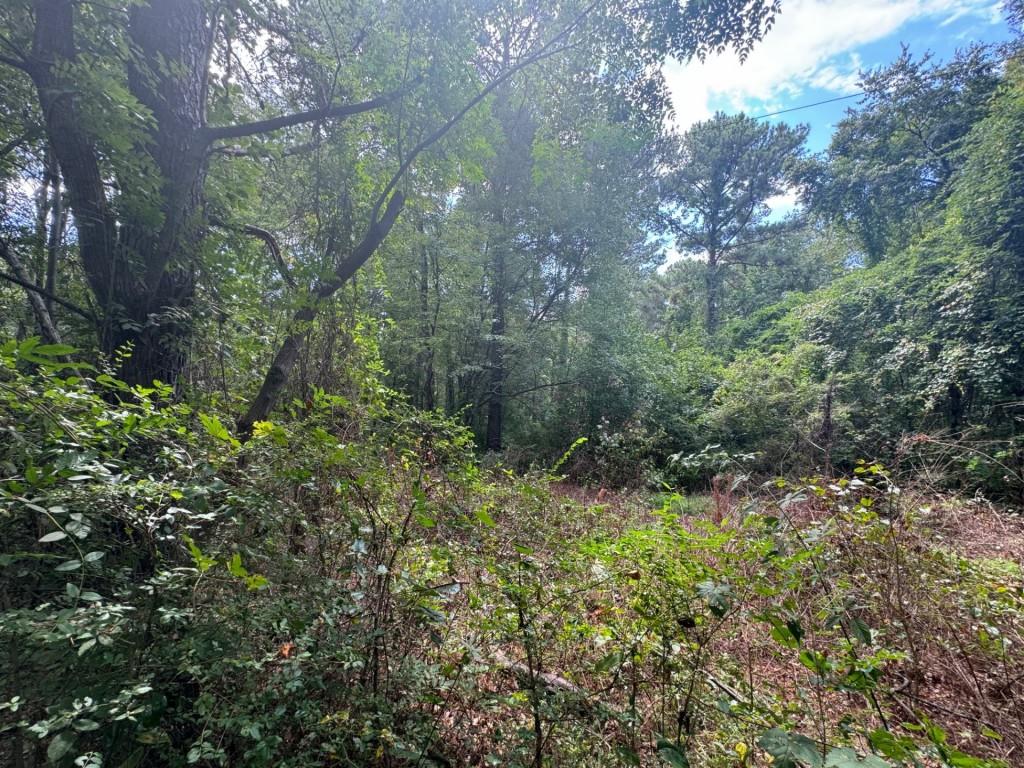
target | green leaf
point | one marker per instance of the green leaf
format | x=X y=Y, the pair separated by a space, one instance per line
x=717 y=596
x=235 y=566
x=790 y=750
x=860 y=630
x=484 y=517
x=672 y=754
x=897 y=747
x=786 y=633
x=53 y=350
x=53 y=536
x=256 y=582
x=60 y=746
x=217 y=430
x=627 y=755
x=69 y=565
x=609 y=662
x=844 y=757
x=203 y=563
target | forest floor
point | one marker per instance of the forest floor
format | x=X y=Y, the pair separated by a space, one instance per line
x=639 y=625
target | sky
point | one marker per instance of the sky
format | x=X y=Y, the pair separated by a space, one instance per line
x=815 y=51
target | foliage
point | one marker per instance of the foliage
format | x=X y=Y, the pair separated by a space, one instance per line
x=722 y=174
x=891 y=160
x=346 y=417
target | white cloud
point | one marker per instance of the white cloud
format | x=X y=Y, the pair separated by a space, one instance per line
x=813 y=44
x=839 y=78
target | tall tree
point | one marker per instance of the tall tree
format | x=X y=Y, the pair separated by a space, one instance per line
x=137 y=99
x=124 y=94
x=715 y=194
x=890 y=162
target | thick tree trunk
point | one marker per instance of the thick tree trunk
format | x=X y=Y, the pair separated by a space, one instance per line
x=284 y=361
x=142 y=275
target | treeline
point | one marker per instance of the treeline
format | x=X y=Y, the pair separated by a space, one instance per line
x=491 y=210
x=883 y=319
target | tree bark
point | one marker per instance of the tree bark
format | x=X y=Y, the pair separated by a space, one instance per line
x=496 y=357
x=55 y=236
x=425 y=361
x=141 y=275
x=44 y=319
x=141 y=267
x=286 y=357
x=713 y=288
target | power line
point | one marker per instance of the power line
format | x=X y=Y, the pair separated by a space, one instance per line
x=808 y=106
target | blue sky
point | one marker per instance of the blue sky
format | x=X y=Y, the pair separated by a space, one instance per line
x=815 y=51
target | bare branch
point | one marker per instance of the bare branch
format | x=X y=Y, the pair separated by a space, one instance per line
x=275 y=250
x=47 y=295
x=272 y=124
x=272 y=245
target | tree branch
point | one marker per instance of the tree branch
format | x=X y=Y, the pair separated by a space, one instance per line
x=220 y=133
x=267 y=237
x=18 y=141
x=275 y=250
x=20 y=277
x=392 y=201
x=281 y=367
x=538 y=387
x=84 y=313
x=12 y=62
x=547 y=50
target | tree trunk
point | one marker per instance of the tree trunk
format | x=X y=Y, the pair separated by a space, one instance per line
x=44 y=320
x=713 y=288
x=284 y=361
x=54 y=238
x=496 y=357
x=141 y=274
x=425 y=359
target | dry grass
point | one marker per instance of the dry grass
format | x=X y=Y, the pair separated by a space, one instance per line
x=938 y=585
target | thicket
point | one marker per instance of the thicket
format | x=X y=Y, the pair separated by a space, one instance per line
x=348 y=587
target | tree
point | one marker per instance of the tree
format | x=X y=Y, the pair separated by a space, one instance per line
x=716 y=191
x=889 y=164
x=137 y=99
x=1014 y=12
x=124 y=92
x=558 y=197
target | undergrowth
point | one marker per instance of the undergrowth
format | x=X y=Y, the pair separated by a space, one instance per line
x=349 y=587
